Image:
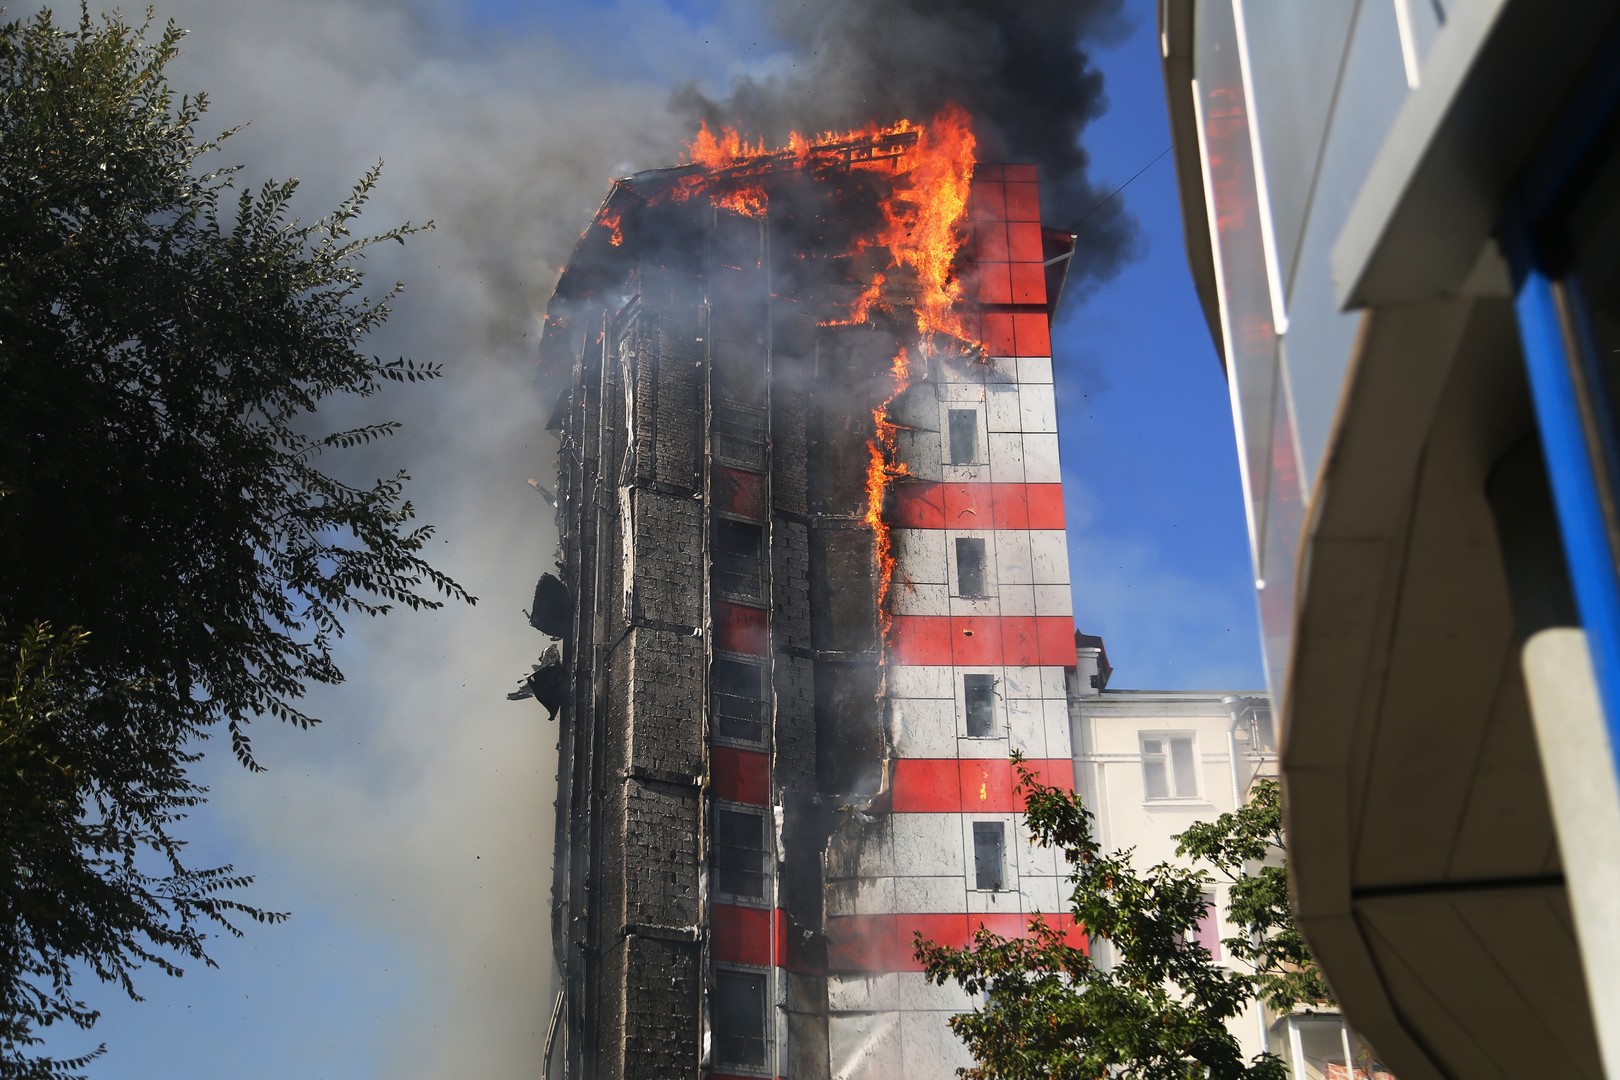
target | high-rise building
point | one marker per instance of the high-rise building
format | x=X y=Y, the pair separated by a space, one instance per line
x=814 y=590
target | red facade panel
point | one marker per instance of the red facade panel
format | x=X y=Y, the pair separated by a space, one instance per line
x=1022 y=202
x=740 y=493
x=739 y=628
x=932 y=505
x=1028 y=282
x=990 y=241
x=1024 y=242
x=1033 y=334
x=740 y=775
x=1013 y=640
x=969 y=785
x=742 y=935
x=860 y=943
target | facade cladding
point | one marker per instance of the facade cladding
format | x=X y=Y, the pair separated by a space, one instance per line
x=788 y=697
x=1402 y=219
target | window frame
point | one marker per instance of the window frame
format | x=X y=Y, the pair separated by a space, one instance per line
x=763 y=867
x=987 y=693
x=717 y=715
x=959 y=420
x=724 y=523
x=765 y=1066
x=1166 y=761
x=986 y=829
x=961 y=544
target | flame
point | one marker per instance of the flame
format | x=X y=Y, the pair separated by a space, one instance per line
x=611 y=223
x=924 y=219
x=882 y=467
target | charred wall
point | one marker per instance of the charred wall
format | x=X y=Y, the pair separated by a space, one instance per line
x=712 y=502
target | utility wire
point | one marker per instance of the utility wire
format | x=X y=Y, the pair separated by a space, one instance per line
x=1092 y=212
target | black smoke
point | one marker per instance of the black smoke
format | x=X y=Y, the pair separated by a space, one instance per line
x=1020 y=68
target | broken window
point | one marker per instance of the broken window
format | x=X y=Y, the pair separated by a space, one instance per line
x=964 y=436
x=740 y=852
x=969 y=566
x=739 y=564
x=979 y=698
x=737 y=693
x=1169 y=769
x=740 y=1033
x=988 y=841
x=739 y=435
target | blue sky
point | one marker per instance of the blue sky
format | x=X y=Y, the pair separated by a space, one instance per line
x=410 y=836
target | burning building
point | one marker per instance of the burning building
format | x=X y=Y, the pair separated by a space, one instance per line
x=814 y=590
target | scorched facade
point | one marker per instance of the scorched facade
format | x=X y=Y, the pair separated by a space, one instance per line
x=816 y=592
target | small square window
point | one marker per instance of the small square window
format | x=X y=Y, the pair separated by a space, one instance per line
x=739 y=564
x=989 y=841
x=737 y=694
x=1169 y=767
x=969 y=566
x=979 y=700
x=964 y=436
x=740 y=1033
x=740 y=853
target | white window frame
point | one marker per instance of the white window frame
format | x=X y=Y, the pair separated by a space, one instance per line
x=1165 y=760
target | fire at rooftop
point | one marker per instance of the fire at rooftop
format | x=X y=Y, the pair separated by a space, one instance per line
x=811 y=568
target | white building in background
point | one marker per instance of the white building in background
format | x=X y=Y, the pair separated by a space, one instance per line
x=1151 y=763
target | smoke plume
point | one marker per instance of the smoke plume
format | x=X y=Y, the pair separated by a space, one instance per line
x=1019 y=69
x=420 y=814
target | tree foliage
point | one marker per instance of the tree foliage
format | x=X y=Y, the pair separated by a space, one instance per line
x=165 y=343
x=1156 y=1010
x=1246 y=846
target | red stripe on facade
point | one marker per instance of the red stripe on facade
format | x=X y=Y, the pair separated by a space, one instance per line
x=740 y=775
x=969 y=785
x=742 y=935
x=982 y=641
x=868 y=943
x=927 y=504
x=739 y=628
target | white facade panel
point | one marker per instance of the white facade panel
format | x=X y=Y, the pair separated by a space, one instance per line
x=1007 y=457
x=1041 y=464
x=923 y=727
x=920 y=555
x=1037 y=409
x=1034 y=369
x=1003 y=407
x=1050 y=551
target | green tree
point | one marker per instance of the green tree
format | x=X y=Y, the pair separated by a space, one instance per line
x=1246 y=847
x=165 y=344
x=1157 y=1010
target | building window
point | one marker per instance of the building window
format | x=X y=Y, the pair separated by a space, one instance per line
x=979 y=699
x=740 y=853
x=969 y=566
x=1169 y=769
x=737 y=695
x=739 y=564
x=739 y=435
x=1208 y=931
x=740 y=1032
x=964 y=436
x=989 y=840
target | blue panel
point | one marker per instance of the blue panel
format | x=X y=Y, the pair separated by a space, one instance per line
x=1592 y=569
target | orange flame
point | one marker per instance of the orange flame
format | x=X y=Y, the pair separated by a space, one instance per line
x=882 y=467
x=611 y=223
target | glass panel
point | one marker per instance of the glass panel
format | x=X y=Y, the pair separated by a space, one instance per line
x=969 y=567
x=979 y=694
x=1186 y=771
x=739 y=853
x=738 y=699
x=739 y=1017
x=987 y=854
x=964 y=436
x=738 y=566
